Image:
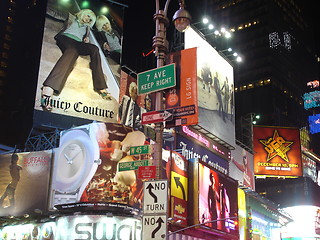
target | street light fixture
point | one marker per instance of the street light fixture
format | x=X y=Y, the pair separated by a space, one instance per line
x=182 y=20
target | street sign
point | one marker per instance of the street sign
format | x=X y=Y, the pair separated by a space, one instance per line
x=147 y=172
x=154 y=227
x=184 y=111
x=133 y=165
x=156 y=79
x=145 y=149
x=155 y=197
x=156 y=116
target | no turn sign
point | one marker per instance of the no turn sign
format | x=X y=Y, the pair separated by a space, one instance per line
x=154 y=227
x=155 y=197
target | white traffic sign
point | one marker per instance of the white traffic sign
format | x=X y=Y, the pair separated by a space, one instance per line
x=156 y=116
x=154 y=227
x=155 y=197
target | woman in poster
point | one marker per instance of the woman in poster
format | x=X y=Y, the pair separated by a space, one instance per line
x=74 y=42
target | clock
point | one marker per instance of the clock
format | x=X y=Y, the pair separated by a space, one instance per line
x=75 y=164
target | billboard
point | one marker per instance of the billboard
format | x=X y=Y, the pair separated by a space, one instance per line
x=215 y=89
x=241 y=167
x=216 y=201
x=183 y=96
x=311 y=99
x=277 y=151
x=314 y=123
x=80 y=59
x=24 y=182
x=87 y=172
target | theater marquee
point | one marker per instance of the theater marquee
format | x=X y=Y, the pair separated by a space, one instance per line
x=277 y=151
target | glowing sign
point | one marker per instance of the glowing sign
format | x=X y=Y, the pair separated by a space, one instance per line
x=311 y=99
x=314 y=123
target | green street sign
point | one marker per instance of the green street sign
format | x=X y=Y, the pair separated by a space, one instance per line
x=145 y=149
x=156 y=79
x=134 y=165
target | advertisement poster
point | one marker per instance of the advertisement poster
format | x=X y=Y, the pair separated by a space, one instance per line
x=24 y=182
x=87 y=172
x=80 y=60
x=277 y=151
x=215 y=89
x=218 y=201
x=183 y=97
x=132 y=105
x=241 y=167
x=179 y=188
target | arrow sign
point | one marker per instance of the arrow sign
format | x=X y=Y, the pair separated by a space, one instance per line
x=154 y=227
x=155 y=197
x=179 y=184
x=157 y=116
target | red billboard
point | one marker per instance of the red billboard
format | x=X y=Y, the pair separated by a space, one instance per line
x=277 y=151
x=184 y=95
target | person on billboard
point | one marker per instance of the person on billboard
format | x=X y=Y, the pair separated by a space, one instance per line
x=206 y=76
x=15 y=177
x=217 y=89
x=129 y=110
x=213 y=200
x=108 y=39
x=74 y=42
x=226 y=91
x=248 y=176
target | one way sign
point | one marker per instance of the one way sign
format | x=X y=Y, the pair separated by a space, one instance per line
x=155 y=197
x=154 y=227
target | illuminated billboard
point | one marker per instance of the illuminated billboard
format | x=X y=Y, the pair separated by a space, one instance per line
x=98 y=227
x=215 y=86
x=215 y=201
x=277 y=151
x=80 y=60
x=241 y=167
x=93 y=168
x=311 y=99
x=314 y=123
x=24 y=182
x=183 y=97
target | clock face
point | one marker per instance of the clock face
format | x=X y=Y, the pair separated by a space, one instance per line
x=71 y=159
x=179 y=162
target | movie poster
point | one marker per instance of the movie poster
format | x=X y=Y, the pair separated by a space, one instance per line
x=277 y=151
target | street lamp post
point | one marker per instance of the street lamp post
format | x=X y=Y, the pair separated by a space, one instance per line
x=181 y=21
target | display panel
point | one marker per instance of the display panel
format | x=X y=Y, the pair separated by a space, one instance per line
x=277 y=151
x=218 y=200
x=80 y=59
x=24 y=182
x=215 y=84
x=314 y=123
x=87 y=169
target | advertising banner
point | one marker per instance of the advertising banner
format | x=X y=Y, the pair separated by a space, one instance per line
x=86 y=173
x=215 y=89
x=241 y=167
x=190 y=150
x=24 y=182
x=183 y=97
x=98 y=227
x=80 y=59
x=179 y=188
x=218 y=200
x=277 y=151
x=314 y=123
